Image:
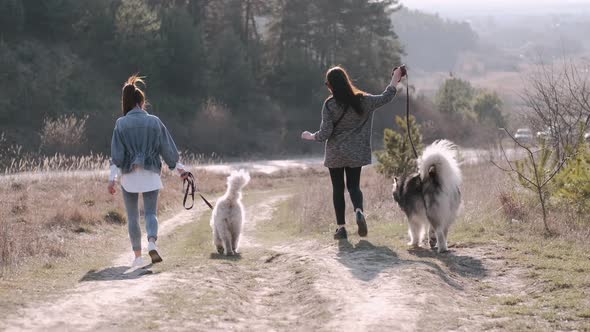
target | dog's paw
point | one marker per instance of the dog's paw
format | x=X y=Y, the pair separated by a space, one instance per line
x=413 y=244
x=220 y=249
x=432 y=243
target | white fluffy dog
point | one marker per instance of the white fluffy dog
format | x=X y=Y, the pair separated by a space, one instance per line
x=228 y=215
x=431 y=198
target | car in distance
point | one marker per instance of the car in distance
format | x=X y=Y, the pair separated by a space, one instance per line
x=524 y=136
x=544 y=135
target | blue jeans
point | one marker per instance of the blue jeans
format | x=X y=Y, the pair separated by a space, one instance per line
x=150 y=206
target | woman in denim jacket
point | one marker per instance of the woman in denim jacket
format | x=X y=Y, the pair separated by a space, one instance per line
x=139 y=139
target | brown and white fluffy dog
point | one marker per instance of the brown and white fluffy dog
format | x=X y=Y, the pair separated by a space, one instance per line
x=431 y=198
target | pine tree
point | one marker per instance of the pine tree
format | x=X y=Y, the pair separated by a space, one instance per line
x=398 y=158
x=573 y=182
x=455 y=97
x=487 y=106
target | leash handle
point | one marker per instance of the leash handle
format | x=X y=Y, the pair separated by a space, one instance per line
x=189 y=190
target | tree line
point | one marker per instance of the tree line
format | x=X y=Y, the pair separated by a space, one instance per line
x=228 y=76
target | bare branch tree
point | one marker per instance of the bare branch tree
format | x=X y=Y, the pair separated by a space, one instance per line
x=559 y=99
x=540 y=176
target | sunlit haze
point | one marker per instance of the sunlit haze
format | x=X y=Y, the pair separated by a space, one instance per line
x=461 y=8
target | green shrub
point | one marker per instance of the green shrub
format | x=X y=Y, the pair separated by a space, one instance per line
x=535 y=171
x=573 y=182
x=398 y=158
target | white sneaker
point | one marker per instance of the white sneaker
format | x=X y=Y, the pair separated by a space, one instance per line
x=153 y=251
x=138 y=262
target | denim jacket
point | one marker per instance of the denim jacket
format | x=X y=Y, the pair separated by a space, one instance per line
x=139 y=139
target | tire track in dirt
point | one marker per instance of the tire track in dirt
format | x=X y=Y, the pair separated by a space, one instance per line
x=101 y=297
x=371 y=288
x=365 y=288
x=260 y=290
x=308 y=285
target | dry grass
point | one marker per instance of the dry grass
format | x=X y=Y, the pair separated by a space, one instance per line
x=19 y=162
x=42 y=220
x=45 y=219
x=67 y=133
x=56 y=162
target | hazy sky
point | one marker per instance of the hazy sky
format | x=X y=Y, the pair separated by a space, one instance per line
x=495 y=7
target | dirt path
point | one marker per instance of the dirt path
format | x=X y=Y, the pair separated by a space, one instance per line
x=91 y=304
x=298 y=285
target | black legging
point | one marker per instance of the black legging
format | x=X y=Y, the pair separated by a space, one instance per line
x=353 y=179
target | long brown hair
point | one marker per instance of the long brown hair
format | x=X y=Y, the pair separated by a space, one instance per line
x=343 y=90
x=132 y=95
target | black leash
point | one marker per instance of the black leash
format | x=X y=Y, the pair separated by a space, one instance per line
x=190 y=190
x=405 y=73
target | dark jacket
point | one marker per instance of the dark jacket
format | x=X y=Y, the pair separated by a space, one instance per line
x=349 y=143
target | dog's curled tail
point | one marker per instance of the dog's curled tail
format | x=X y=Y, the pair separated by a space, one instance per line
x=439 y=160
x=237 y=180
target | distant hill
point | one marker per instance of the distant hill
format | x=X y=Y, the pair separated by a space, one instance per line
x=432 y=43
x=435 y=43
x=463 y=9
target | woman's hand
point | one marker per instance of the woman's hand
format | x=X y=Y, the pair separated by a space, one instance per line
x=306 y=135
x=183 y=173
x=396 y=76
x=111 y=188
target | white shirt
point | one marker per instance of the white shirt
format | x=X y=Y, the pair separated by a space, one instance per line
x=139 y=180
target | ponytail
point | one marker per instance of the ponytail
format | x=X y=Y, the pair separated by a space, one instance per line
x=132 y=95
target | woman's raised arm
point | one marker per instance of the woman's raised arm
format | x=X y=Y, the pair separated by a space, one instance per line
x=373 y=102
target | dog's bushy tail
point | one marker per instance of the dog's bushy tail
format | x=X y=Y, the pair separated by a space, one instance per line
x=440 y=160
x=237 y=180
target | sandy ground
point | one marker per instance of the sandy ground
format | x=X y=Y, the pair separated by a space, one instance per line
x=300 y=285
